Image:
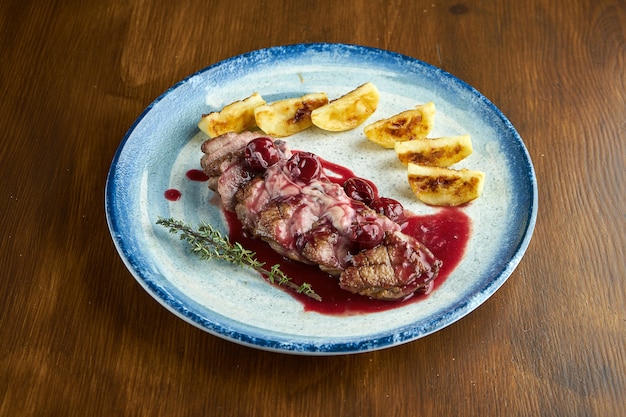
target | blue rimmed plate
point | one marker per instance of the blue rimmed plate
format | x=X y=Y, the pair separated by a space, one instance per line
x=162 y=146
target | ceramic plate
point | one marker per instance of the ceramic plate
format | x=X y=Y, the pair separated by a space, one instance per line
x=236 y=304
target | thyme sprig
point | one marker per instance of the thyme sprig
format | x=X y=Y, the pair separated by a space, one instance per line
x=209 y=243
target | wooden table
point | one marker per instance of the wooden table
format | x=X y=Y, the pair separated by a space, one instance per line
x=80 y=337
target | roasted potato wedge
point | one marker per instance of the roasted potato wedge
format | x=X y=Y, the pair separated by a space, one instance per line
x=287 y=117
x=437 y=152
x=235 y=117
x=349 y=110
x=438 y=186
x=408 y=125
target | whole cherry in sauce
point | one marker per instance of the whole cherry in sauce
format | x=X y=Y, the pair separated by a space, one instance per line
x=389 y=207
x=261 y=153
x=366 y=234
x=305 y=167
x=360 y=189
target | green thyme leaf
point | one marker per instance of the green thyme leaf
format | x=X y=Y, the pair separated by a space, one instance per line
x=209 y=243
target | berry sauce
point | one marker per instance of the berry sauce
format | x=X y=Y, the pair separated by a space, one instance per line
x=196 y=175
x=172 y=194
x=445 y=233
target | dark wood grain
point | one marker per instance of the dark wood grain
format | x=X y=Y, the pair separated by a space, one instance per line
x=78 y=335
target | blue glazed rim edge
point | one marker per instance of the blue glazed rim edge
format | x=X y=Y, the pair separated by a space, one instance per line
x=398 y=336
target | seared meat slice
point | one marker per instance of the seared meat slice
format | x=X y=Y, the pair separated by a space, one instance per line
x=294 y=226
x=270 y=226
x=220 y=154
x=293 y=206
x=226 y=147
x=324 y=246
x=382 y=273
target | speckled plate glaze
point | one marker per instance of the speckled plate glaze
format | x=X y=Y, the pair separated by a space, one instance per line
x=236 y=304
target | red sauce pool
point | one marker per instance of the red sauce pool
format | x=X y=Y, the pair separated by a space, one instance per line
x=172 y=194
x=196 y=175
x=445 y=233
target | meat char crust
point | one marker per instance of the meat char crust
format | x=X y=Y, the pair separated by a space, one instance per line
x=382 y=273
